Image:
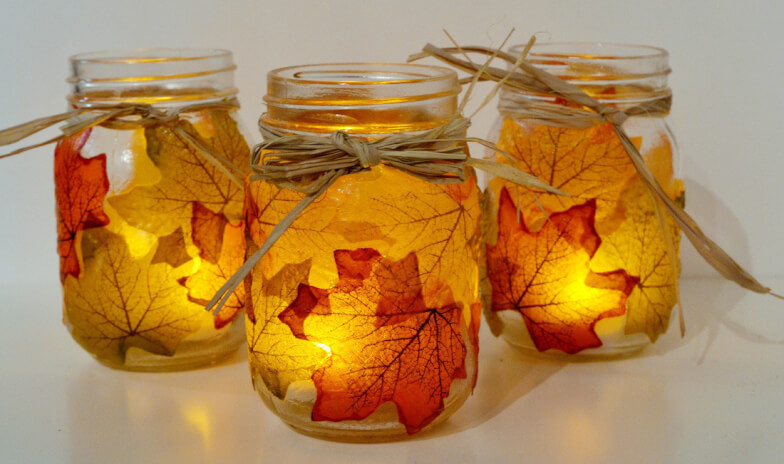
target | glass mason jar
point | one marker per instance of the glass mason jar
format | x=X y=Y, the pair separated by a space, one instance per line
x=362 y=319
x=593 y=274
x=147 y=227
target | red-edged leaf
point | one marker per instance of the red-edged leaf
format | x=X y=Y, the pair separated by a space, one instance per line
x=81 y=186
x=546 y=277
x=387 y=340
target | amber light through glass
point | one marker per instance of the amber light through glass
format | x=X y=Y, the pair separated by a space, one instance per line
x=592 y=274
x=148 y=228
x=360 y=328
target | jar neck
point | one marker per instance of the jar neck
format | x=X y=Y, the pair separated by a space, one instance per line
x=618 y=75
x=360 y=98
x=161 y=77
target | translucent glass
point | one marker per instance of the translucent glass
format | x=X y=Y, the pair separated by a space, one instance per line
x=364 y=315
x=593 y=274
x=148 y=228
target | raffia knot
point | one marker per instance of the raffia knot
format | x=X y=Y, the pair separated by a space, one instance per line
x=367 y=154
x=153 y=115
x=310 y=164
x=612 y=115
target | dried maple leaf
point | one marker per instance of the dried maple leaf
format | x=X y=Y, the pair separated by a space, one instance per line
x=638 y=247
x=585 y=163
x=371 y=209
x=387 y=340
x=122 y=302
x=207 y=229
x=172 y=249
x=546 y=277
x=446 y=234
x=222 y=249
x=186 y=177
x=277 y=358
x=81 y=186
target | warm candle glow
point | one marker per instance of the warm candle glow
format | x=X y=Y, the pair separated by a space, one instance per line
x=569 y=263
x=145 y=238
x=363 y=317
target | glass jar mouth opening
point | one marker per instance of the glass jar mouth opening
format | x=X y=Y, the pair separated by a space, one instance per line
x=151 y=75
x=591 y=50
x=149 y=55
x=584 y=60
x=360 y=98
x=359 y=83
x=610 y=72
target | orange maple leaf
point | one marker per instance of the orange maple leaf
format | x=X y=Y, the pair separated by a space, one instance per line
x=81 y=186
x=221 y=246
x=546 y=277
x=387 y=341
x=207 y=232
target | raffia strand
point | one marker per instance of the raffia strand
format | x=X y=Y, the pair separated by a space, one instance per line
x=123 y=116
x=589 y=112
x=310 y=164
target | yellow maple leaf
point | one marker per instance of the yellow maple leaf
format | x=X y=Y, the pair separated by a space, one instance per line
x=585 y=163
x=186 y=177
x=638 y=247
x=384 y=209
x=122 y=302
x=277 y=357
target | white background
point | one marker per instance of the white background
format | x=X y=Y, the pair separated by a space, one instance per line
x=715 y=396
x=726 y=58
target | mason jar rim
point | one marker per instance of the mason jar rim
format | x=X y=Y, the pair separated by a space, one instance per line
x=614 y=73
x=148 y=64
x=583 y=50
x=360 y=98
x=359 y=84
x=149 y=55
x=151 y=75
x=354 y=73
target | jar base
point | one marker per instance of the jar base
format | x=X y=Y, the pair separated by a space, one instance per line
x=615 y=345
x=189 y=355
x=381 y=426
x=603 y=353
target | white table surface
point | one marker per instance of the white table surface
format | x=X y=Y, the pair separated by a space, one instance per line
x=716 y=396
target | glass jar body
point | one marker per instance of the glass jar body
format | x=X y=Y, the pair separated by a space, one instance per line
x=149 y=229
x=593 y=274
x=359 y=327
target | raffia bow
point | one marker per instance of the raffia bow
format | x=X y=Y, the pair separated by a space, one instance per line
x=310 y=164
x=122 y=116
x=588 y=112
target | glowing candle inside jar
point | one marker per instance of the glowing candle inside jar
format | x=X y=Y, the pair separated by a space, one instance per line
x=359 y=326
x=596 y=272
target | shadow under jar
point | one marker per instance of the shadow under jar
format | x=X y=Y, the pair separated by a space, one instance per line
x=363 y=317
x=594 y=274
x=148 y=227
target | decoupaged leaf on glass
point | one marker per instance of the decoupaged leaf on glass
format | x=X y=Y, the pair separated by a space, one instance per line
x=588 y=164
x=387 y=339
x=122 y=302
x=222 y=250
x=186 y=177
x=276 y=356
x=546 y=276
x=442 y=223
x=81 y=186
x=638 y=247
